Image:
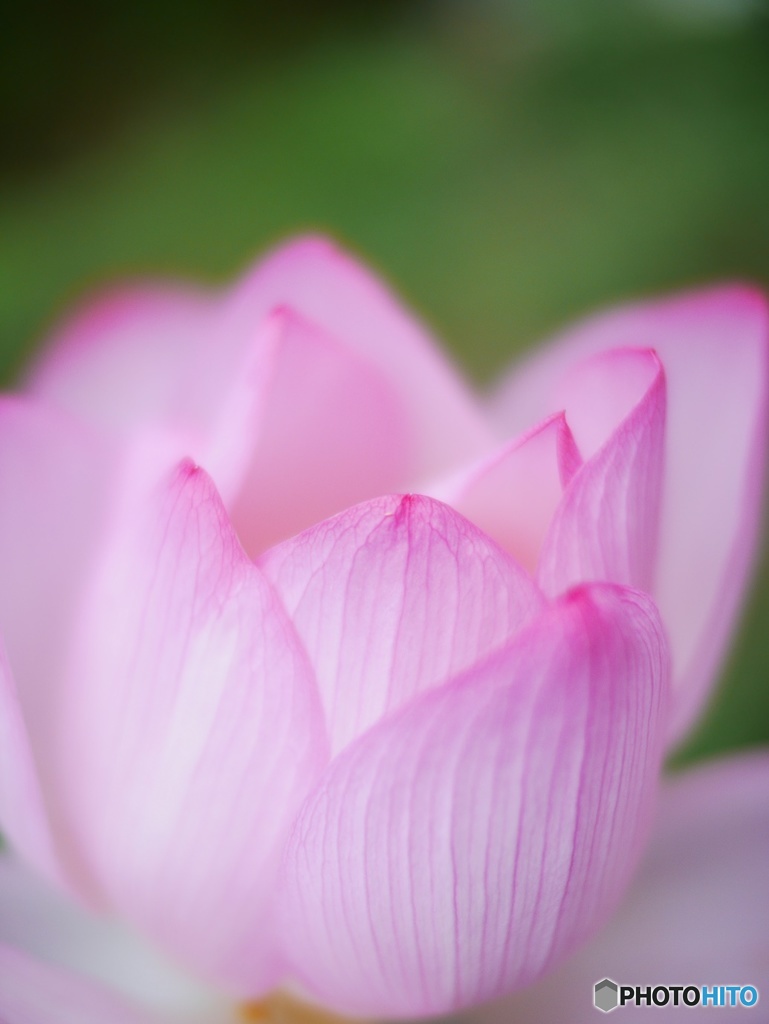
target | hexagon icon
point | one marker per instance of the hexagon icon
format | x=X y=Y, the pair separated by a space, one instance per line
x=605 y=995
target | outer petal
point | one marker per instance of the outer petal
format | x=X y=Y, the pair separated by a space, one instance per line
x=392 y=598
x=23 y=816
x=41 y=923
x=462 y=846
x=606 y=527
x=714 y=346
x=54 y=486
x=127 y=358
x=696 y=914
x=513 y=493
x=190 y=733
x=316 y=428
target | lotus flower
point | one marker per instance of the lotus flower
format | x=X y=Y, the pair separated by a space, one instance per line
x=323 y=674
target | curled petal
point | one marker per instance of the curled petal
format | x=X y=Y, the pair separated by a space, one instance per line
x=190 y=733
x=394 y=597
x=714 y=347
x=602 y=391
x=513 y=493
x=606 y=527
x=465 y=844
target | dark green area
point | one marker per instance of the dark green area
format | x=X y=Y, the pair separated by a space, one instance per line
x=506 y=172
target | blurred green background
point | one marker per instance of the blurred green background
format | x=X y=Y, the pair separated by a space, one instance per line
x=507 y=165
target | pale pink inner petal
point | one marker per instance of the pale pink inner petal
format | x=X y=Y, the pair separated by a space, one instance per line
x=307 y=376
x=331 y=289
x=328 y=430
x=460 y=847
x=600 y=392
x=513 y=493
x=392 y=598
x=189 y=732
x=607 y=525
x=714 y=347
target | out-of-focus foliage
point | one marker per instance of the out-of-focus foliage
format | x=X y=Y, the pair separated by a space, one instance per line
x=509 y=165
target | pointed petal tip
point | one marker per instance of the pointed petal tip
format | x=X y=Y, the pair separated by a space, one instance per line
x=600 y=595
x=391 y=598
x=309 y=243
x=302 y=251
x=607 y=524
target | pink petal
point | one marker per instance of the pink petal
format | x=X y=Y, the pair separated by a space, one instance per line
x=713 y=346
x=607 y=524
x=326 y=430
x=392 y=598
x=32 y=992
x=330 y=288
x=169 y=354
x=190 y=733
x=55 y=479
x=463 y=845
x=23 y=815
x=602 y=391
x=697 y=913
x=125 y=358
x=513 y=493
x=41 y=923
x=308 y=358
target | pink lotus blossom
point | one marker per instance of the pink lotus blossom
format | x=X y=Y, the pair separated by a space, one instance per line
x=322 y=672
